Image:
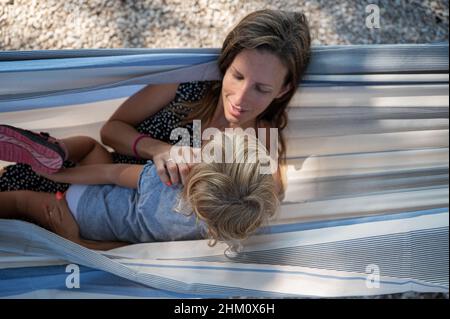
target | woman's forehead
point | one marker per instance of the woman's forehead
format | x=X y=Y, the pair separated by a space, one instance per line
x=261 y=66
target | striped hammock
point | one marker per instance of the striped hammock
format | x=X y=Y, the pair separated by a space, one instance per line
x=366 y=207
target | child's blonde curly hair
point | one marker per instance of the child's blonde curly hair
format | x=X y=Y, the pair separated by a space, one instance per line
x=233 y=197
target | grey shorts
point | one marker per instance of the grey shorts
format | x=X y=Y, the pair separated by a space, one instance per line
x=73 y=196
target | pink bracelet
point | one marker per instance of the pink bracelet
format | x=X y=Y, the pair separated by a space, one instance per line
x=136 y=141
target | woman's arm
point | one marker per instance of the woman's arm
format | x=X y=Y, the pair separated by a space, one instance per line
x=125 y=175
x=119 y=131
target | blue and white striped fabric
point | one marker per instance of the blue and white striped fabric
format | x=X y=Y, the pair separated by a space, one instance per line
x=366 y=209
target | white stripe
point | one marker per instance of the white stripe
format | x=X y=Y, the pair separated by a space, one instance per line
x=423 y=78
x=279 y=279
x=63 y=121
x=292 y=211
x=368 y=163
x=323 y=127
x=372 y=96
x=199 y=248
x=38 y=81
x=365 y=143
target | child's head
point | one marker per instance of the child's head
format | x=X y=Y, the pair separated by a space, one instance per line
x=232 y=197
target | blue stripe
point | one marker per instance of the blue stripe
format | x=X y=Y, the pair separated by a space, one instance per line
x=286 y=228
x=16 y=281
x=90 y=53
x=335 y=59
x=282 y=272
x=105 y=62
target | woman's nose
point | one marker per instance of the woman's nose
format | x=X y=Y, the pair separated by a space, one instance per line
x=242 y=93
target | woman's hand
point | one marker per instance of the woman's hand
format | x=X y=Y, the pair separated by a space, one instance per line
x=173 y=163
x=61 y=221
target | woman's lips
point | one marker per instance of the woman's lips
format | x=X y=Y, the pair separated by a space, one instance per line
x=235 y=111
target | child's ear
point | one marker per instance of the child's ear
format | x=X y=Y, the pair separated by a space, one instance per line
x=284 y=90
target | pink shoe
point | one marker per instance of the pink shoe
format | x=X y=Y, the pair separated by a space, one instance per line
x=45 y=154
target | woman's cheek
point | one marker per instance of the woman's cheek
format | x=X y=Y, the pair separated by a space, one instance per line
x=264 y=104
x=228 y=81
x=259 y=109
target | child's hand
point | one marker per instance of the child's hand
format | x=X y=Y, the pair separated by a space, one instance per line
x=61 y=221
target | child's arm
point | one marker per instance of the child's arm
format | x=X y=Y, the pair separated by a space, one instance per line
x=125 y=175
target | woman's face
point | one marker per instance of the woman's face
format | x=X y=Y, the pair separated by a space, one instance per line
x=250 y=84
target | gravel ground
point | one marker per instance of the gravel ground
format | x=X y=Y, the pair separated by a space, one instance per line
x=76 y=24
x=55 y=24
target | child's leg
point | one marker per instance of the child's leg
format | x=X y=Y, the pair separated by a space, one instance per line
x=25 y=205
x=84 y=150
x=46 y=154
x=42 y=209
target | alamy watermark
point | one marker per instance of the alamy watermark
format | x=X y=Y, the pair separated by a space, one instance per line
x=73 y=279
x=373 y=276
x=235 y=145
x=373 y=19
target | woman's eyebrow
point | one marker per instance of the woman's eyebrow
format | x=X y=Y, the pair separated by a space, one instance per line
x=257 y=83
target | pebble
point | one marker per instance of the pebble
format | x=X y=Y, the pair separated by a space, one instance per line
x=204 y=23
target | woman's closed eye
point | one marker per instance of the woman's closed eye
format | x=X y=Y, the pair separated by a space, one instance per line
x=261 y=90
x=238 y=76
x=257 y=87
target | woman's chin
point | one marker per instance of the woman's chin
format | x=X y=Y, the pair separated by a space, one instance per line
x=232 y=119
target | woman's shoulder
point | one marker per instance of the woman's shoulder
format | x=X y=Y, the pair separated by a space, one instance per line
x=264 y=124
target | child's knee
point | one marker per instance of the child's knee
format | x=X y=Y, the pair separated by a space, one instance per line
x=93 y=143
x=86 y=140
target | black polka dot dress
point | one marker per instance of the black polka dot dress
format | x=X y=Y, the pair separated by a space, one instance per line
x=159 y=126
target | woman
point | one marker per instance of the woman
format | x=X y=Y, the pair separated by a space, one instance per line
x=262 y=61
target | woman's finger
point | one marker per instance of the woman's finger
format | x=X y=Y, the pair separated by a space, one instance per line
x=184 y=172
x=172 y=169
x=162 y=172
x=196 y=155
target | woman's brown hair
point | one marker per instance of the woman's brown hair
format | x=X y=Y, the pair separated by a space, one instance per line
x=283 y=33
